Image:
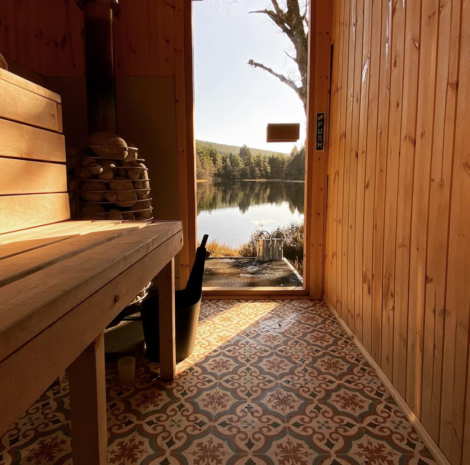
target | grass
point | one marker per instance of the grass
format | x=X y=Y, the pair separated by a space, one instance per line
x=293 y=245
x=221 y=250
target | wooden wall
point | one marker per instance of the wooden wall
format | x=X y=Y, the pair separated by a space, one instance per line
x=145 y=34
x=398 y=222
x=150 y=38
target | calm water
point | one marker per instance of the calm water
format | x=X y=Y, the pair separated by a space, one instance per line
x=230 y=212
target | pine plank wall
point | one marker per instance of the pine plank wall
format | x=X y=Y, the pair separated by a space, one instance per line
x=397 y=265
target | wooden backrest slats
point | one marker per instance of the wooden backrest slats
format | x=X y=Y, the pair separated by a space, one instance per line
x=28 y=85
x=31 y=177
x=26 y=211
x=21 y=105
x=21 y=141
x=33 y=189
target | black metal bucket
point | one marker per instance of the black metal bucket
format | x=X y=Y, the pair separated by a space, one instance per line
x=186 y=320
x=187 y=307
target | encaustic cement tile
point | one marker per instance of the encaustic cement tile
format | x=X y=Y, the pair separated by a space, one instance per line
x=276 y=383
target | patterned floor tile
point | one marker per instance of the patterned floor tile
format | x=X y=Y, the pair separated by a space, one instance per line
x=276 y=383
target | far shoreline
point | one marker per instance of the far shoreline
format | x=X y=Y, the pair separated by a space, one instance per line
x=250 y=180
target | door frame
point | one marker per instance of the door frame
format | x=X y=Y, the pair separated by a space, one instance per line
x=320 y=15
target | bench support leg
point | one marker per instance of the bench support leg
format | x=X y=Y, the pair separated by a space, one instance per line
x=166 y=290
x=88 y=406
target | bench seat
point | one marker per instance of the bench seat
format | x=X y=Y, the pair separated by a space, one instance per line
x=61 y=281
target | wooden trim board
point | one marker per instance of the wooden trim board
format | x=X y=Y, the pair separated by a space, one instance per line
x=411 y=417
x=315 y=178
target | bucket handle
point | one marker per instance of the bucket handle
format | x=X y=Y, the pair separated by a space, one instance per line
x=263 y=232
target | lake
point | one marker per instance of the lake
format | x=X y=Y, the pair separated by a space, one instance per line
x=230 y=212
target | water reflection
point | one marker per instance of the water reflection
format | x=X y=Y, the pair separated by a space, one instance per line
x=247 y=194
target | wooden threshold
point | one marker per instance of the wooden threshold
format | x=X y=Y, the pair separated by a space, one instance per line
x=258 y=293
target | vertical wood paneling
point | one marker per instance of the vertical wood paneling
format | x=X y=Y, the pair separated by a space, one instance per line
x=145 y=38
x=420 y=209
x=362 y=319
x=391 y=186
x=439 y=209
x=369 y=186
x=405 y=193
x=22 y=37
x=455 y=369
x=64 y=39
x=380 y=178
x=347 y=258
x=334 y=147
x=402 y=206
x=356 y=313
x=342 y=254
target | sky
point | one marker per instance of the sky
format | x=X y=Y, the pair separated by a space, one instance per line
x=235 y=102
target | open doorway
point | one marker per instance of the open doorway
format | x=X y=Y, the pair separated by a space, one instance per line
x=250 y=73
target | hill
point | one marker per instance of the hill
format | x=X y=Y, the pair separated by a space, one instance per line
x=224 y=149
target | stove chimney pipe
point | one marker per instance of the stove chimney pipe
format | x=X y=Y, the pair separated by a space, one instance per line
x=100 y=72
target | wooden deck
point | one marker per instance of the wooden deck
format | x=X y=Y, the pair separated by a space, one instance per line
x=241 y=272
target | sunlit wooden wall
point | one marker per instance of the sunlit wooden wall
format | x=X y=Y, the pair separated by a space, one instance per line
x=398 y=228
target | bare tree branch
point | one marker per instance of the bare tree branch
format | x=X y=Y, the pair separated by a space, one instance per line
x=281 y=77
x=293 y=23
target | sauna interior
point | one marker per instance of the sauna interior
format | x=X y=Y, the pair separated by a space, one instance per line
x=367 y=364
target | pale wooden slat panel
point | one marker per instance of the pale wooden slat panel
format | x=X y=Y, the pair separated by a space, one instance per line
x=343 y=50
x=23 y=302
x=455 y=403
x=27 y=107
x=355 y=313
x=419 y=301
x=31 y=177
x=21 y=141
x=405 y=193
x=391 y=188
x=18 y=81
x=349 y=86
x=369 y=185
x=420 y=209
x=333 y=149
x=439 y=213
x=25 y=211
x=379 y=319
x=362 y=318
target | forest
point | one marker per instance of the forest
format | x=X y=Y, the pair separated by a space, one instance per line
x=214 y=165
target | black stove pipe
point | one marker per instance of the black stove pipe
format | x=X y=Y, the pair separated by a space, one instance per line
x=99 y=56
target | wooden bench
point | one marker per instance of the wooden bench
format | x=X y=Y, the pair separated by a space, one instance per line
x=62 y=282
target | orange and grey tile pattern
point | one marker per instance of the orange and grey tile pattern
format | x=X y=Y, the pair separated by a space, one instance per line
x=268 y=383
